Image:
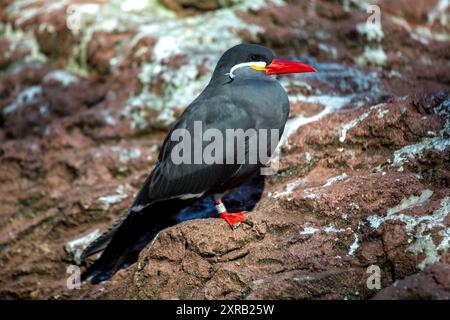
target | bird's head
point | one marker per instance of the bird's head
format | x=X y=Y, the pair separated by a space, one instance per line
x=251 y=60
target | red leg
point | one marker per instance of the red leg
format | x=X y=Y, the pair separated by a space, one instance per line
x=233 y=219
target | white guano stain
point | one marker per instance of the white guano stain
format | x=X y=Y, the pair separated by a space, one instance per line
x=372 y=31
x=76 y=247
x=350 y=125
x=213 y=32
x=62 y=76
x=333 y=180
x=355 y=245
x=372 y=56
x=346 y=127
x=440 y=13
x=331 y=103
x=418 y=229
x=415 y=150
x=112 y=199
x=129 y=154
x=290 y=187
x=382 y=113
x=29 y=95
x=308 y=231
x=411 y=202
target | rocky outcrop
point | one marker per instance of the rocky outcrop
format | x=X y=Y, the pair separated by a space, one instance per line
x=363 y=180
x=184 y=7
x=432 y=283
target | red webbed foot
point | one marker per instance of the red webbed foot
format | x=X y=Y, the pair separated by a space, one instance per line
x=233 y=219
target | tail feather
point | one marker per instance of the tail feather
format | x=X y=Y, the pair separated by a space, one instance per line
x=128 y=236
x=102 y=242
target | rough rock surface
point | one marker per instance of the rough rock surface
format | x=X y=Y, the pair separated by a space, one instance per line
x=89 y=89
x=432 y=283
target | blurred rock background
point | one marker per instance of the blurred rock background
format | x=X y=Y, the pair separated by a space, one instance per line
x=88 y=90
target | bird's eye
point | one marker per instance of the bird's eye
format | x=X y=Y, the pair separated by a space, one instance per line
x=255 y=57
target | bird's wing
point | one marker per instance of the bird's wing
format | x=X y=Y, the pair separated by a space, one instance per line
x=169 y=180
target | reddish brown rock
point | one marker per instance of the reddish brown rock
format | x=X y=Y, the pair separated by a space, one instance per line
x=101 y=50
x=418 y=13
x=366 y=138
x=60 y=94
x=431 y=284
x=186 y=7
x=305 y=109
x=3 y=5
x=52 y=34
x=9 y=54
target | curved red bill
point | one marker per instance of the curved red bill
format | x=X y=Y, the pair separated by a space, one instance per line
x=284 y=66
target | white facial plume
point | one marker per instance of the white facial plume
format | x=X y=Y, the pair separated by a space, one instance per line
x=256 y=64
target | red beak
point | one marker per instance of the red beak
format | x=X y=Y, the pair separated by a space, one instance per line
x=283 y=66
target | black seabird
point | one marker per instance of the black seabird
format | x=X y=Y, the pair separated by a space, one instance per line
x=240 y=95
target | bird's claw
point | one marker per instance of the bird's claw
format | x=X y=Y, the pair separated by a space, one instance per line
x=234 y=220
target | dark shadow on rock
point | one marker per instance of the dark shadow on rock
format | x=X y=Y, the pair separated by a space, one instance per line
x=244 y=197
